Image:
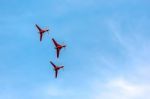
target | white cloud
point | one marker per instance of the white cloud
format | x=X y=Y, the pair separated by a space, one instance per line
x=51 y=90
x=120 y=88
x=125 y=87
x=132 y=82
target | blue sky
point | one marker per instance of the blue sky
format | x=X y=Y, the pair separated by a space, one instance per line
x=107 y=54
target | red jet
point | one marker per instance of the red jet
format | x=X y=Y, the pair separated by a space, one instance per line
x=41 y=31
x=56 y=68
x=58 y=47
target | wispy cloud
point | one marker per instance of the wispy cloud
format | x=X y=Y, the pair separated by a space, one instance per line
x=132 y=82
x=51 y=90
x=120 y=88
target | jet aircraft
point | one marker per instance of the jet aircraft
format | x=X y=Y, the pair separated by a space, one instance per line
x=58 y=47
x=41 y=31
x=56 y=68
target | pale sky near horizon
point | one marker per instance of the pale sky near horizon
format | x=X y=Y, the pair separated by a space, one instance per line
x=107 y=54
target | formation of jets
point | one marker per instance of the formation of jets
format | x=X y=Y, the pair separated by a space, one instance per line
x=58 y=47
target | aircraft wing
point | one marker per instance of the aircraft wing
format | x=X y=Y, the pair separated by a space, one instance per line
x=56 y=72
x=53 y=64
x=58 y=50
x=38 y=27
x=41 y=37
x=56 y=44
